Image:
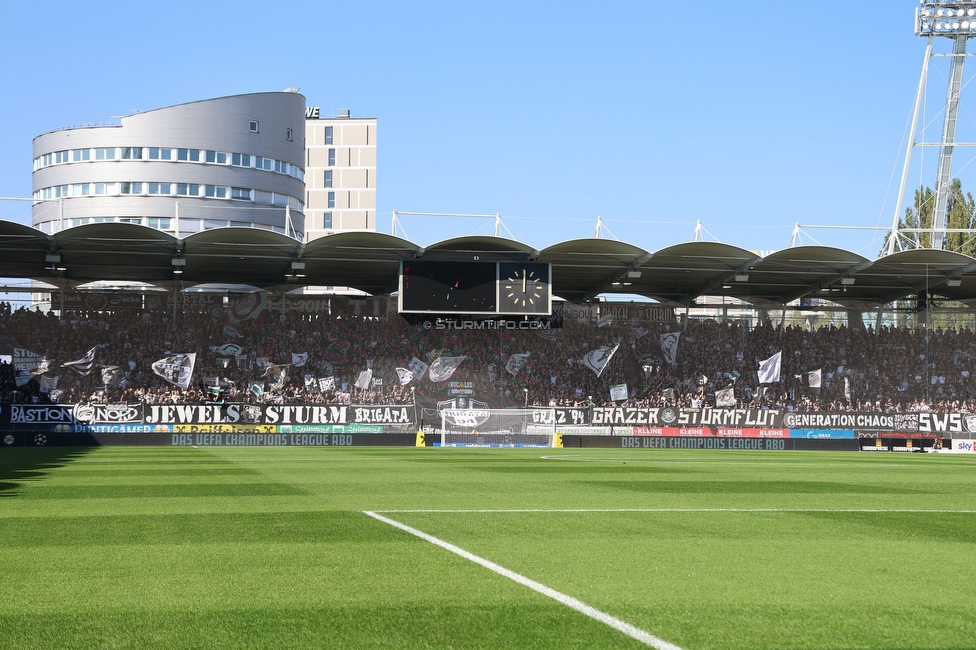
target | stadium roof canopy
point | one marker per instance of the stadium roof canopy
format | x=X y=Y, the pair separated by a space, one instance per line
x=581 y=268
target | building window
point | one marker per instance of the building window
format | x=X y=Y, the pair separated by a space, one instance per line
x=326 y=219
x=331 y=157
x=155 y=153
x=131 y=153
x=159 y=223
x=135 y=220
x=240 y=159
x=60 y=156
x=218 y=157
x=253 y=126
x=193 y=155
x=81 y=189
x=131 y=188
x=240 y=193
x=215 y=192
x=328 y=135
x=159 y=188
x=288 y=135
x=188 y=189
x=105 y=154
x=331 y=200
x=79 y=155
x=328 y=178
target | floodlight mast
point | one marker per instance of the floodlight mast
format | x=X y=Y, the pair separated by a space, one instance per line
x=955 y=20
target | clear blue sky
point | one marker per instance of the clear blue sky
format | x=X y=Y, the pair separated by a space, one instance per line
x=749 y=116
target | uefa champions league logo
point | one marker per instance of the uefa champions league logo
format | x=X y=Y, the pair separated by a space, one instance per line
x=40 y=439
x=8 y=440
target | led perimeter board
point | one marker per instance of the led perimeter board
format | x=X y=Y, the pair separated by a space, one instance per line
x=475 y=288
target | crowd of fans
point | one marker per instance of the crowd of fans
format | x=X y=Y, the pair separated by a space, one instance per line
x=893 y=369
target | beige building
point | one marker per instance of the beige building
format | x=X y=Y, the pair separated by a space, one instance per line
x=340 y=173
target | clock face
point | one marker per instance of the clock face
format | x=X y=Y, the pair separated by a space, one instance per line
x=524 y=288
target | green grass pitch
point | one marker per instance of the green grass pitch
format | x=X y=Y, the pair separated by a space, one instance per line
x=127 y=547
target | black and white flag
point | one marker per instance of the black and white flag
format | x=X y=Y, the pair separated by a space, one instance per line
x=669 y=347
x=84 y=365
x=326 y=384
x=597 y=360
x=111 y=376
x=417 y=367
x=299 y=359
x=725 y=398
x=404 y=375
x=442 y=368
x=177 y=369
x=516 y=362
x=769 y=369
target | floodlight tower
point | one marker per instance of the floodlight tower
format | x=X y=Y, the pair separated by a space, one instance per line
x=955 y=20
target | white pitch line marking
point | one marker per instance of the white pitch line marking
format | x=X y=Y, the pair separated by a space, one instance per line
x=578 y=605
x=690 y=510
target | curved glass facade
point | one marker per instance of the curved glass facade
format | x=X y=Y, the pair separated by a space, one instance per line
x=230 y=161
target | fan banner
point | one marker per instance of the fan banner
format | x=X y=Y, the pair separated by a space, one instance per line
x=618 y=393
x=326 y=384
x=597 y=360
x=229 y=350
x=669 y=347
x=49 y=384
x=177 y=369
x=28 y=364
x=676 y=417
x=299 y=359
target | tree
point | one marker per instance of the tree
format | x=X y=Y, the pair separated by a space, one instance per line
x=961 y=214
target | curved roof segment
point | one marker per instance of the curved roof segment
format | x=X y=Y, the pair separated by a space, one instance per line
x=581 y=268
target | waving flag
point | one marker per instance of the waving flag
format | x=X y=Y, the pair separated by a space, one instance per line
x=597 y=360
x=769 y=369
x=84 y=365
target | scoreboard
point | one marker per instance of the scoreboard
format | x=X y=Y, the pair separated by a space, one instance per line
x=475 y=288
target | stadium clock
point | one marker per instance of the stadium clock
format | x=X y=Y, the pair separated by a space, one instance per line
x=474 y=288
x=523 y=288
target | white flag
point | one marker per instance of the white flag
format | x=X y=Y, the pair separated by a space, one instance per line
x=669 y=347
x=84 y=365
x=404 y=375
x=597 y=360
x=177 y=369
x=364 y=380
x=847 y=389
x=442 y=368
x=299 y=359
x=813 y=380
x=417 y=367
x=516 y=362
x=769 y=369
x=725 y=398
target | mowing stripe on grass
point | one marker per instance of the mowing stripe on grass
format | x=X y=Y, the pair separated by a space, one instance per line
x=568 y=601
x=652 y=510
